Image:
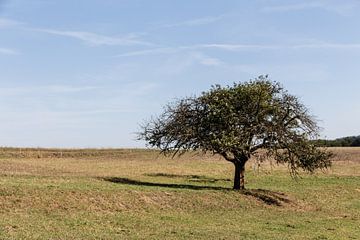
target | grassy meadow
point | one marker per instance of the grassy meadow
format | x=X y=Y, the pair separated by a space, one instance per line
x=137 y=194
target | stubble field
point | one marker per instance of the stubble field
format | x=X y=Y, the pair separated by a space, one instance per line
x=137 y=194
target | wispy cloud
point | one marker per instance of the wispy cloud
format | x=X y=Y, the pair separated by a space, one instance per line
x=293 y=7
x=250 y=47
x=196 y=56
x=340 y=46
x=239 y=47
x=95 y=39
x=6 y=23
x=242 y=47
x=8 y=51
x=339 y=7
x=45 y=89
x=206 y=60
x=67 y=88
x=164 y=50
x=128 y=90
x=194 y=22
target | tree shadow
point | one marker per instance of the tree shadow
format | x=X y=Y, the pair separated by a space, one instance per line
x=266 y=196
x=167 y=185
x=191 y=178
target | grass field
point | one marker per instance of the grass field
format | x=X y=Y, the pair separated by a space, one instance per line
x=135 y=194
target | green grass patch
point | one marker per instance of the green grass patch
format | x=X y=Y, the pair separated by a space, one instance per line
x=137 y=197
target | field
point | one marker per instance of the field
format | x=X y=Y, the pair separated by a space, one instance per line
x=136 y=194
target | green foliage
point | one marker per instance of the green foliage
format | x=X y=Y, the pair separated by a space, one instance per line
x=236 y=122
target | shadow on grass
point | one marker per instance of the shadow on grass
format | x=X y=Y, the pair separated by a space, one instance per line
x=167 y=185
x=192 y=178
x=266 y=196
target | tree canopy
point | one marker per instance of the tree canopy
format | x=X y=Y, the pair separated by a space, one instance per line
x=237 y=122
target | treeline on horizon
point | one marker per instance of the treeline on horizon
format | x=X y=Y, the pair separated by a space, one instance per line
x=352 y=141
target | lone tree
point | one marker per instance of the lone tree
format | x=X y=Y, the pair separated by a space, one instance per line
x=238 y=122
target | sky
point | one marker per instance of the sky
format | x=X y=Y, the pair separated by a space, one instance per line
x=80 y=74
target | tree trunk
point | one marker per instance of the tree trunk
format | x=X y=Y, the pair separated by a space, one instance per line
x=239 y=178
x=242 y=177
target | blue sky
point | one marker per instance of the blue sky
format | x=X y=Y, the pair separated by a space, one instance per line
x=86 y=73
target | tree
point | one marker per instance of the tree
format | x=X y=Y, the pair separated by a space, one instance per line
x=238 y=122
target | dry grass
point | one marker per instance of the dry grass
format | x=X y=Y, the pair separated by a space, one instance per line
x=124 y=162
x=136 y=194
x=346 y=154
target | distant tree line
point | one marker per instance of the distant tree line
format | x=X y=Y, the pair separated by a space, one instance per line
x=352 y=141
